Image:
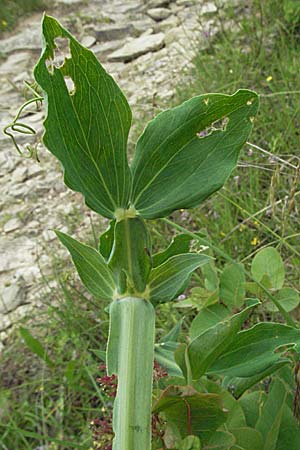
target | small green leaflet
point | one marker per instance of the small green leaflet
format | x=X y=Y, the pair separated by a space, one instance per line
x=86 y=130
x=175 y=167
x=166 y=280
x=232 y=286
x=268 y=268
x=180 y=244
x=91 y=267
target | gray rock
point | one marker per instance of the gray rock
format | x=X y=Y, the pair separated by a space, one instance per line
x=159 y=14
x=208 y=8
x=20 y=174
x=12 y=297
x=114 y=32
x=12 y=225
x=29 y=39
x=16 y=62
x=88 y=41
x=158 y=3
x=16 y=253
x=138 y=47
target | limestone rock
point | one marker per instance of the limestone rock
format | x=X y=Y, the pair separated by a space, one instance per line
x=12 y=225
x=29 y=39
x=88 y=41
x=158 y=14
x=15 y=63
x=138 y=47
x=12 y=297
x=113 y=32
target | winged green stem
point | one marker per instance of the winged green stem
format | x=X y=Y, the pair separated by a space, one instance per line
x=130 y=355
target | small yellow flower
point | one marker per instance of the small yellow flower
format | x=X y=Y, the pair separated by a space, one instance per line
x=255 y=241
x=4 y=23
x=222 y=233
x=269 y=78
x=242 y=227
x=255 y=223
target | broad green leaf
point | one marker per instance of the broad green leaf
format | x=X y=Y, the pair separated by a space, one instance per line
x=268 y=268
x=180 y=244
x=106 y=240
x=232 y=290
x=175 y=167
x=287 y=297
x=130 y=259
x=206 y=348
x=252 y=405
x=207 y=318
x=247 y=439
x=182 y=359
x=35 y=346
x=190 y=443
x=87 y=129
x=254 y=351
x=91 y=267
x=239 y=385
x=166 y=280
x=269 y=421
x=192 y=412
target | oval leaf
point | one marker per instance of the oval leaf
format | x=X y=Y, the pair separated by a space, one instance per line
x=268 y=268
x=175 y=166
x=287 y=297
x=91 y=267
x=232 y=286
x=86 y=129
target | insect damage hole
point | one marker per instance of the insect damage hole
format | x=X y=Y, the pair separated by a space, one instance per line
x=61 y=53
x=218 y=125
x=70 y=85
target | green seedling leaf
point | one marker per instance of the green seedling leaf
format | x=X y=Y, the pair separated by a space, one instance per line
x=211 y=280
x=192 y=412
x=255 y=350
x=232 y=289
x=91 y=267
x=164 y=355
x=106 y=240
x=167 y=281
x=190 y=443
x=173 y=334
x=35 y=346
x=239 y=385
x=269 y=421
x=86 y=129
x=175 y=166
x=252 y=405
x=287 y=297
x=206 y=348
x=180 y=244
x=268 y=268
x=219 y=440
x=130 y=259
x=207 y=318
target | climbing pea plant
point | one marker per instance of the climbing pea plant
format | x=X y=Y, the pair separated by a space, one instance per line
x=184 y=155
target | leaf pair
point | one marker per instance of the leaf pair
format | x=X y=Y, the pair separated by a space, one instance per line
x=126 y=267
x=183 y=156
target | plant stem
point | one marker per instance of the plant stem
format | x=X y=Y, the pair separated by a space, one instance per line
x=130 y=355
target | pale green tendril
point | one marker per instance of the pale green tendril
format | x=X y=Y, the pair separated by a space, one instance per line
x=19 y=127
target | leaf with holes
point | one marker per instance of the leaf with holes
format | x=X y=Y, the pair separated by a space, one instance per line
x=86 y=129
x=91 y=267
x=183 y=156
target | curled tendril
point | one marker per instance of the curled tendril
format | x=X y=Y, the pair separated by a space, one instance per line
x=19 y=127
